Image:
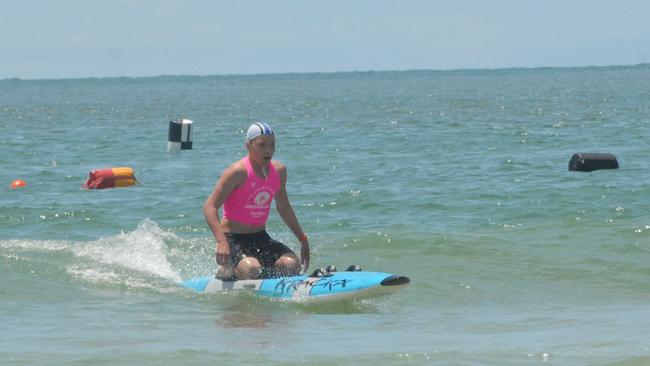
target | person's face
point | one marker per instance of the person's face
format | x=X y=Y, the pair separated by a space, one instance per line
x=262 y=148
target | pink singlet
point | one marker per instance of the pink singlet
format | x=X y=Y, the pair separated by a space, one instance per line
x=250 y=203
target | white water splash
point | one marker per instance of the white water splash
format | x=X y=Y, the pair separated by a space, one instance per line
x=112 y=259
x=48 y=245
x=142 y=250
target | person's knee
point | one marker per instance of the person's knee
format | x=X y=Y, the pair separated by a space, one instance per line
x=248 y=268
x=288 y=264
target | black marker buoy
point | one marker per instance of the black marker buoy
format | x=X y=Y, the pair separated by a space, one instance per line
x=180 y=135
x=587 y=162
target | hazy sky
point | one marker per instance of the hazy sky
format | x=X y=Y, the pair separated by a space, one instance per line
x=86 y=38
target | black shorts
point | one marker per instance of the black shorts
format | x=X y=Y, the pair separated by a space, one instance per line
x=259 y=245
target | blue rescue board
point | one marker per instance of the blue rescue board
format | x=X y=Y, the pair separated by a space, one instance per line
x=334 y=286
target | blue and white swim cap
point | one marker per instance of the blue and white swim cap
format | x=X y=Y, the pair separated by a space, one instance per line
x=258 y=129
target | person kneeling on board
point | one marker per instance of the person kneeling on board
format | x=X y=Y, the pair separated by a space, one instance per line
x=244 y=249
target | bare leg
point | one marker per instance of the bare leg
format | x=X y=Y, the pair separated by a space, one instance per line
x=248 y=268
x=287 y=265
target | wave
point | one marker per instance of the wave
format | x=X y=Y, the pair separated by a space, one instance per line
x=146 y=258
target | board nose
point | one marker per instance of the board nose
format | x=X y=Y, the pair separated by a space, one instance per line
x=395 y=280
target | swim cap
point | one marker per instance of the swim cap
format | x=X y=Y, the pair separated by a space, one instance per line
x=258 y=129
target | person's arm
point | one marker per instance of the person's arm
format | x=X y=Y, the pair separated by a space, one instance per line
x=229 y=180
x=289 y=217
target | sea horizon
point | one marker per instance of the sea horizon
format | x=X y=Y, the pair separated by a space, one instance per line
x=327 y=73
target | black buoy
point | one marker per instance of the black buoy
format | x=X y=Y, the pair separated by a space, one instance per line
x=588 y=162
x=180 y=135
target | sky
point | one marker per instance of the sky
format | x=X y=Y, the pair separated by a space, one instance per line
x=45 y=39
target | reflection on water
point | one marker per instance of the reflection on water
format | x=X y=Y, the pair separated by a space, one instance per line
x=250 y=311
x=241 y=319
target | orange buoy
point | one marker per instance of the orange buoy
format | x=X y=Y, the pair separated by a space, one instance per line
x=110 y=178
x=18 y=183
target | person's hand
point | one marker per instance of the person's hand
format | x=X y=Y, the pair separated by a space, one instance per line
x=304 y=255
x=223 y=253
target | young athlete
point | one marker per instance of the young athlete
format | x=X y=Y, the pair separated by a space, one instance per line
x=246 y=189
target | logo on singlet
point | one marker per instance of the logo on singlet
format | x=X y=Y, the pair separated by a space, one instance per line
x=262 y=198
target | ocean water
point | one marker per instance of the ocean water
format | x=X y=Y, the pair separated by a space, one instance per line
x=457 y=179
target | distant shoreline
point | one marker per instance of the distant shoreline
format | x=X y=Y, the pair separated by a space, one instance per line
x=331 y=73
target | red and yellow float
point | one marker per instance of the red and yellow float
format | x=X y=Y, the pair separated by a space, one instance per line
x=110 y=178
